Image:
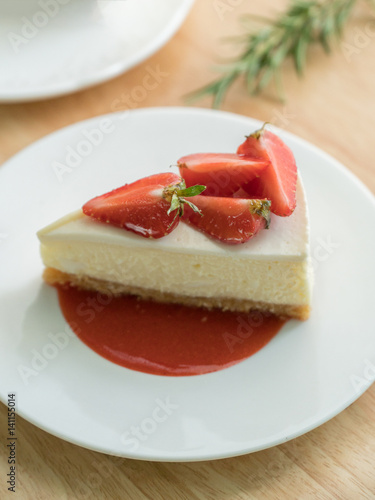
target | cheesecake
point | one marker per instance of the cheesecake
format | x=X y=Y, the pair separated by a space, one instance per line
x=271 y=272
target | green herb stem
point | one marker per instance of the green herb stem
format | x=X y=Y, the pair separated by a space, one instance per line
x=288 y=36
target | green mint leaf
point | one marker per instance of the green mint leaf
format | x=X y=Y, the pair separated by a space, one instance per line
x=192 y=206
x=175 y=203
x=191 y=191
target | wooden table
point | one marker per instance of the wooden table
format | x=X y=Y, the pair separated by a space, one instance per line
x=334 y=108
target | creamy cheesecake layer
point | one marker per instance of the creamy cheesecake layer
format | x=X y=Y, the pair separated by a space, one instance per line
x=279 y=281
x=287 y=239
x=84 y=282
x=272 y=268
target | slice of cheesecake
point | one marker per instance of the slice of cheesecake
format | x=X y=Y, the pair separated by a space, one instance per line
x=271 y=273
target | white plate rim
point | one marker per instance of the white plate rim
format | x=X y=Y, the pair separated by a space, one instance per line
x=109 y=72
x=182 y=458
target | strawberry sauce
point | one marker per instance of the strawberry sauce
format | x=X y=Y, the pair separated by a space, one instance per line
x=164 y=339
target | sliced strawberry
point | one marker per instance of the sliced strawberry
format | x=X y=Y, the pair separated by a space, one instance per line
x=145 y=206
x=221 y=173
x=162 y=180
x=231 y=220
x=278 y=181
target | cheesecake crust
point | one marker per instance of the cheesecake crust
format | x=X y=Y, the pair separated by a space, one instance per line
x=53 y=276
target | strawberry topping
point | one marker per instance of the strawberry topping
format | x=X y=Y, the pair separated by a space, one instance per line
x=278 y=181
x=231 y=220
x=222 y=174
x=239 y=192
x=144 y=206
x=163 y=179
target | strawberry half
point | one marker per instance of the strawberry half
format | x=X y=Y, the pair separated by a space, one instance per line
x=230 y=220
x=163 y=179
x=278 y=181
x=222 y=174
x=144 y=207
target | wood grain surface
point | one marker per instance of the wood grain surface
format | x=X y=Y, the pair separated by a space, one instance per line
x=333 y=106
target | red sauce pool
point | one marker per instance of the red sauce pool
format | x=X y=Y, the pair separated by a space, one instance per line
x=164 y=339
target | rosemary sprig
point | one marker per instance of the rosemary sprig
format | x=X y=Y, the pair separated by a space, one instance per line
x=289 y=35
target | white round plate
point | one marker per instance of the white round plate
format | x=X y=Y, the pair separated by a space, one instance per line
x=53 y=47
x=306 y=375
